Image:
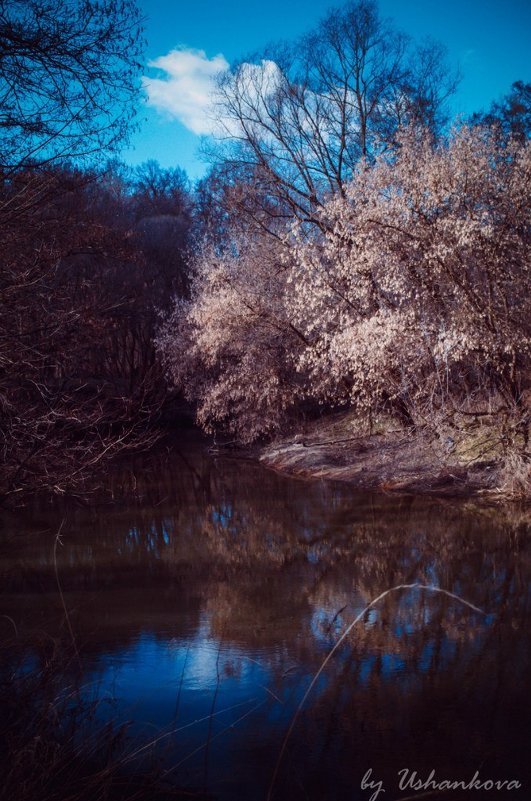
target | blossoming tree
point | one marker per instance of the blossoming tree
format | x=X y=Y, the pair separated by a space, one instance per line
x=410 y=294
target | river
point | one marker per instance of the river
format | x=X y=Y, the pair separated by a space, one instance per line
x=202 y=602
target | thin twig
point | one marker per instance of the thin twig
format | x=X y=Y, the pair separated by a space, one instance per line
x=336 y=646
x=67 y=616
x=12 y=623
x=205 y=744
x=153 y=742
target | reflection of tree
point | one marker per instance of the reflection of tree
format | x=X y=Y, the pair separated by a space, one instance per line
x=275 y=569
x=259 y=549
x=454 y=712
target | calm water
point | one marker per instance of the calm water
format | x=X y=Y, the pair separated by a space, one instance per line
x=203 y=604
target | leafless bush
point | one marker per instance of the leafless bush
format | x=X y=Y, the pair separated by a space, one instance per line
x=514 y=476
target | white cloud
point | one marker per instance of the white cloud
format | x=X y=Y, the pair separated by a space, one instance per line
x=186 y=87
x=186 y=90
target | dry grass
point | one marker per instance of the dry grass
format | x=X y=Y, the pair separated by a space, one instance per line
x=514 y=476
x=52 y=747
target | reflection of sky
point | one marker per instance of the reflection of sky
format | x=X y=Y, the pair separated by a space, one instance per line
x=149 y=539
x=200 y=688
x=197 y=689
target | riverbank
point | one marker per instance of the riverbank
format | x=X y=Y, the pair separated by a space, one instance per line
x=466 y=459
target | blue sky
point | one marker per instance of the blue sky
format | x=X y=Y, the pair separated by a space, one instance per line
x=489 y=39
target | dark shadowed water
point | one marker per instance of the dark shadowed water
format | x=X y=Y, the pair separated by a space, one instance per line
x=205 y=599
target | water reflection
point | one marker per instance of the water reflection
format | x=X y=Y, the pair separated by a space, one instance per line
x=205 y=599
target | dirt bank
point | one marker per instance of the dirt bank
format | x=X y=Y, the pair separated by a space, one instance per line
x=461 y=461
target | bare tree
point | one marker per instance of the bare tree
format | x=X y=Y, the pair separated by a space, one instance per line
x=73 y=391
x=296 y=120
x=159 y=190
x=510 y=116
x=68 y=74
